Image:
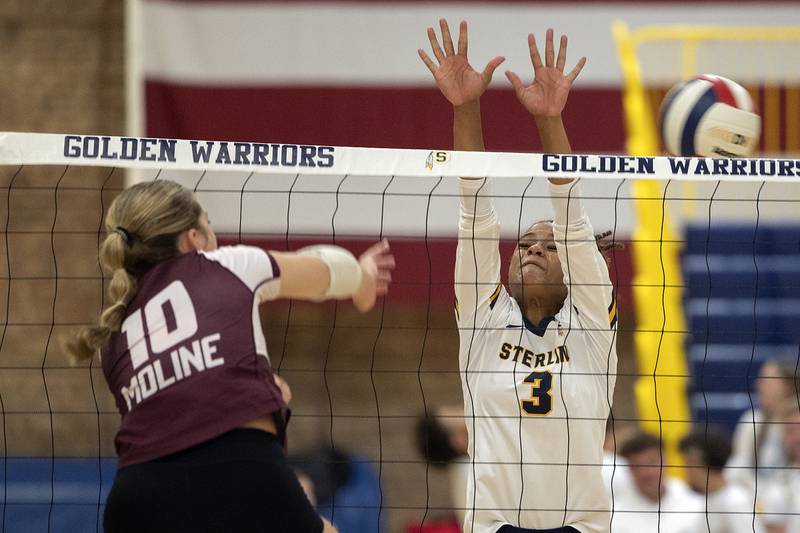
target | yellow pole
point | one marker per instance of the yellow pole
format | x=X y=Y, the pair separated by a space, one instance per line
x=659 y=339
x=661 y=389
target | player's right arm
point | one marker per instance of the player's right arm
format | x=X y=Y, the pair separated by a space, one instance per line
x=314 y=273
x=322 y=272
x=477 y=274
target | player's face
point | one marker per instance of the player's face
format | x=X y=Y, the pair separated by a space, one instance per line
x=696 y=471
x=771 y=387
x=535 y=265
x=645 y=469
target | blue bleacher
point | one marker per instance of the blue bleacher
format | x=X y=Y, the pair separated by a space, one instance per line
x=742 y=307
x=62 y=495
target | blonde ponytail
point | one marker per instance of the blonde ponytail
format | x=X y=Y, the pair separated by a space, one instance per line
x=143 y=224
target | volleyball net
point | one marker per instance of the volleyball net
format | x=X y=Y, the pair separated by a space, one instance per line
x=361 y=382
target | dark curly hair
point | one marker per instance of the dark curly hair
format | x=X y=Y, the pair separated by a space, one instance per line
x=433 y=441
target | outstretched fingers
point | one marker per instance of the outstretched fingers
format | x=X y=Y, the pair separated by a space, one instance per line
x=562 y=54
x=491 y=66
x=515 y=81
x=447 y=40
x=462 y=38
x=437 y=50
x=549 y=55
x=427 y=60
x=536 y=59
x=577 y=70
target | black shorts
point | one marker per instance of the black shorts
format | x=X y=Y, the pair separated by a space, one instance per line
x=238 y=482
x=512 y=529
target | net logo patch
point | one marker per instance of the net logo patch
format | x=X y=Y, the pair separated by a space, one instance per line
x=436 y=158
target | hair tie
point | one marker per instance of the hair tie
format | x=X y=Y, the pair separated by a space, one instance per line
x=126 y=236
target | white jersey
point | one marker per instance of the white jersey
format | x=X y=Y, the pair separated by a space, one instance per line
x=680 y=510
x=729 y=510
x=536 y=396
x=781 y=501
x=753 y=427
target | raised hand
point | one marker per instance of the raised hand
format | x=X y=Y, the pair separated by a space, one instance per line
x=455 y=77
x=547 y=95
x=377 y=264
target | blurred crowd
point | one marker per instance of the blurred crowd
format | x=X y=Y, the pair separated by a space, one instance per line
x=749 y=481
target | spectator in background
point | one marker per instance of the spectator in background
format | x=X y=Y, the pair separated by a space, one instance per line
x=781 y=499
x=442 y=439
x=757 y=436
x=344 y=488
x=729 y=507
x=659 y=502
x=615 y=467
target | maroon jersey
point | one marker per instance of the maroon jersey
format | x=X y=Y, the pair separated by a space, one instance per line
x=190 y=361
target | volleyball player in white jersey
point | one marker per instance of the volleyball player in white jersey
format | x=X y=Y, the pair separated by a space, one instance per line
x=538 y=363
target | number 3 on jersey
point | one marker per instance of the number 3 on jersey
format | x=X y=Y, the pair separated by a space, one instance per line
x=541 y=401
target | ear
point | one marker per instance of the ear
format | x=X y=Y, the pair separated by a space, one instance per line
x=191 y=240
x=196 y=238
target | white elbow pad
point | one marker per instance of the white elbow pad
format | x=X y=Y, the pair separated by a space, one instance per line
x=345 y=272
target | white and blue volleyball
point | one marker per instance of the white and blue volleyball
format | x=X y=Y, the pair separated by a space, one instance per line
x=709 y=116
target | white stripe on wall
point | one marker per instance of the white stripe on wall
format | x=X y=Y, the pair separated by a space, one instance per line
x=375 y=43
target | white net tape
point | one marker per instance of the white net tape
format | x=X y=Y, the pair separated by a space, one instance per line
x=361 y=382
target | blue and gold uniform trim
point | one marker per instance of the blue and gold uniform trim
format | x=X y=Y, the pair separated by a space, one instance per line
x=541 y=401
x=612 y=311
x=492 y=300
x=495 y=295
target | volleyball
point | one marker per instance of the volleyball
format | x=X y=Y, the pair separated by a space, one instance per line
x=709 y=116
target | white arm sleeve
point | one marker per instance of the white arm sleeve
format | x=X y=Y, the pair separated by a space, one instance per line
x=345 y=272
x=255 y=267
x=585 y=268
x=477 y=273
x=475 y=200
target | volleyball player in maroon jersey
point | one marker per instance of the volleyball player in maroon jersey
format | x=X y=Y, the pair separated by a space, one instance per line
x=200 y=442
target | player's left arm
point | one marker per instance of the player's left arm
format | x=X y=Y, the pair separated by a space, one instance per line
x=585 y=269
x=546 y=97
x=584 y=266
